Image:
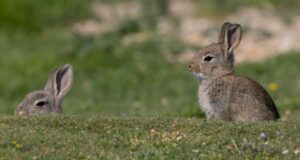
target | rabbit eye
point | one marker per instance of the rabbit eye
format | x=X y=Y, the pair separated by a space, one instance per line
x=208 y=58
x=41 y=103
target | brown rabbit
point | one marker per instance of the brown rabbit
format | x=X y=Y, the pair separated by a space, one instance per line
x=48 y=100
x=222 y=94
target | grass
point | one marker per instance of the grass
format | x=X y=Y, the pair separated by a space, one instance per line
x=112 y=78
x=36 y=16
x=94 y=137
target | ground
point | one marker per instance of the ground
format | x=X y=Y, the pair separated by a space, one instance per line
x=95 y=137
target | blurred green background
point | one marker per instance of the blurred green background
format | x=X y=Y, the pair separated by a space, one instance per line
x=125 y=64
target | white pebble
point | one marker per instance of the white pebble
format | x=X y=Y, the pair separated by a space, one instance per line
x=285 y=151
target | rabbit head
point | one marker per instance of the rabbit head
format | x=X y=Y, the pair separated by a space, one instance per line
x=48 y=100
x=217 y=59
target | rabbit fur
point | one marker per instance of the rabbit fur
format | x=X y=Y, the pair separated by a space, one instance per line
x=222 y=94
x=48 y=100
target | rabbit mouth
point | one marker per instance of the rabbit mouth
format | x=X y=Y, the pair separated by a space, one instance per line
x=200 y=76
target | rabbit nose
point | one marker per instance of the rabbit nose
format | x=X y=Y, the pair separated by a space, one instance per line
x=191 y=67
x=194 y=68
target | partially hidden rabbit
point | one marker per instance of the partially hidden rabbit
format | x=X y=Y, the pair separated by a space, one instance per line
x=49 y=100
x=222 y=94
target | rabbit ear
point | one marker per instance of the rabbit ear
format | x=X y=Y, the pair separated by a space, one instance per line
x=232 y=37
x=223 y=31
x=60 y=81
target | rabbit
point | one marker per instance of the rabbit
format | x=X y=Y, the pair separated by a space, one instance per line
x=222 y=94
x=48 y=101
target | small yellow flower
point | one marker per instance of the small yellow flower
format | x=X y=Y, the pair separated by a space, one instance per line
x=272 y=87
x=18 y=146
x=14 y=142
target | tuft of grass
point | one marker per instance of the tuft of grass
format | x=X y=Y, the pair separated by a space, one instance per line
x=94 y=137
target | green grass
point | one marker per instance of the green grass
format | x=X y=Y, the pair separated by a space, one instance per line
x=112 y=78
x=94 y=137
x=36 y=16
